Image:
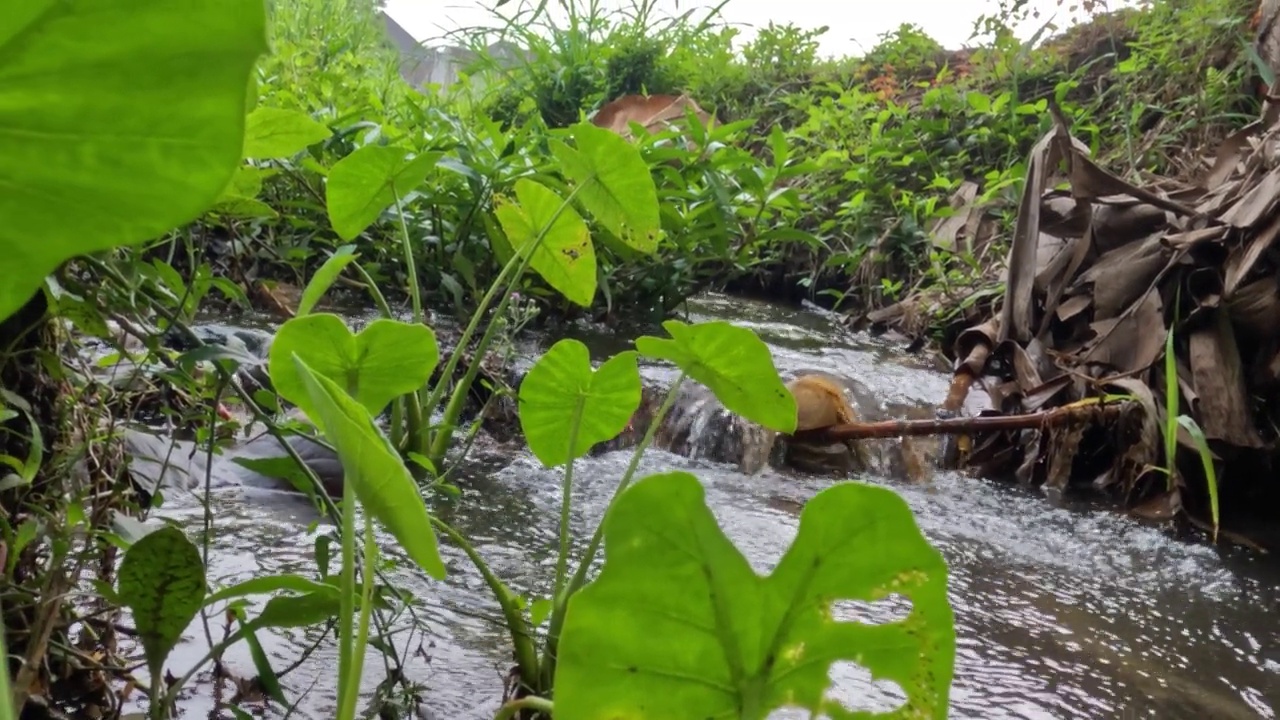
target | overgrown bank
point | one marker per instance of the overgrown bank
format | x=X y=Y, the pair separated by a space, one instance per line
x=856 y=182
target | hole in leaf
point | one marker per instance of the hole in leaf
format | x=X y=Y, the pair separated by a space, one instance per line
x=853 y=687
x=889 y=609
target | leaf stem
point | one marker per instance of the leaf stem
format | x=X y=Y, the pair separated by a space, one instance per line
x=562 y=560
x=346 y=605
x=509 y=709
x=410 y=266
x=521 y=634
x=561 y=600
x=443 y=434
x=352 y=679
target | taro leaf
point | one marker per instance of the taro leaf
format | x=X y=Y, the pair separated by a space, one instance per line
x=244 y=207
x=366 y=182
x=561 y=389
x=325 y=277
x=614 y=184
x=278 y=133
x=240 y=196
x=678 y=624
x=387 y=359
x=381 y=481
x=162 y=583
x=734 y=363
x=565 y=258
x=119 y=120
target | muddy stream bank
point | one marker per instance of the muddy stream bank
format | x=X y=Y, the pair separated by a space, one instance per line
x=1062 y=611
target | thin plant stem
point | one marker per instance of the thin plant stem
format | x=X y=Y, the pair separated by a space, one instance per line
x=509 y=709
x=526 y=654
x=415 y=294
x=346 y=603
x=351 y=680
x=566 y=494
x=561 y=600
x=440 y=442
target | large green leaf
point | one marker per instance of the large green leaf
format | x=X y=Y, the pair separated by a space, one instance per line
x=734 y=363
x=162 y=582
x=614 y=184
x=565 y=258
x=366 y=182
x=678 y=625
x=380 y=480
x=278 y=133
x=561 y=389
x=387 y=359
x=119 y=120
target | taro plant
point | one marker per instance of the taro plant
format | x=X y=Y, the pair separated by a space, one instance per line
x=541 y=230
x=342 y=380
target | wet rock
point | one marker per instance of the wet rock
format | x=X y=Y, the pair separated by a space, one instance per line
x=699 y=426
x=250 y=346
x=158 y=462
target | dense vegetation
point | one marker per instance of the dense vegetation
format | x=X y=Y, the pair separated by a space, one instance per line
x=826 y=180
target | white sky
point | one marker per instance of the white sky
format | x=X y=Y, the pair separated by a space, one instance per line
x=950 y=22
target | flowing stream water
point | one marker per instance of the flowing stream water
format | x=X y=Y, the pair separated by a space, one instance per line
x=1061 y=611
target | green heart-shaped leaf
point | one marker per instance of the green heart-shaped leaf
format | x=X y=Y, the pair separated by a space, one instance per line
x=278 y=133
x=387 y=359
x=366 y=182
x=614 y=184
x=565 y=258
x=119 y=120
x=561 y=389
x=678 y=624
x=734 y=363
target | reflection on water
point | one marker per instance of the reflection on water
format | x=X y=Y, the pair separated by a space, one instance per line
x=1061 y=613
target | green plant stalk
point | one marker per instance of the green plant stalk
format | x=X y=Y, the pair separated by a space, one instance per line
x=562 y=561
x=159 y=708
x=351 y=681
x=425 y=442
x=560 y=602
x=7 y=699
x=415 y=297
x=378 y=298
x=509 y=709
x=439 y=443
x=526 y=654
x=347 y=587
x=411 y=268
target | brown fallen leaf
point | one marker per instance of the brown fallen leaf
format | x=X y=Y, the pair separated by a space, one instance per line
x=278 y=298
x=653 y=112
